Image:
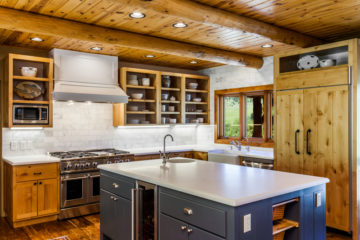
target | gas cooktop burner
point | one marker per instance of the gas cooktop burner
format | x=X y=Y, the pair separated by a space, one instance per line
x=87 y=154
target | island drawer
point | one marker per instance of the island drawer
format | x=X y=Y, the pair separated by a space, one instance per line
x=117 y=186
x=199 y=215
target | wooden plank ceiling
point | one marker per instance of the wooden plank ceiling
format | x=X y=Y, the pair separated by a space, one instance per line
x=323 y=19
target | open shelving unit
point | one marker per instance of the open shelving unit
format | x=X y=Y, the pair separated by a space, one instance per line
x=286 y=219
x=167 y=90
x=13 y=77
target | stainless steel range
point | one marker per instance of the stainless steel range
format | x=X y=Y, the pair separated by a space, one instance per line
x=80 y=179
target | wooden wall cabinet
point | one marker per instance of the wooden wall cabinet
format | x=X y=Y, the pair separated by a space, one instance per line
x=152 y=108
x=31 y=193
x=13 y=76
x=314 y=126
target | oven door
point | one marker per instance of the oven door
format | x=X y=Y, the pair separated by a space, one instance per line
x=94 y=187
x=73 y=189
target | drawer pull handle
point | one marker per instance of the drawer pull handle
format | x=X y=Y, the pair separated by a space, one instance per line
x=189 y=230
x=113 y=198
x=188 y=211
x=37 y=173
x=115 y=185
x=183 y=228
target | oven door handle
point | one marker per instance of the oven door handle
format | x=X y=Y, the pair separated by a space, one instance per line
x=76 y=178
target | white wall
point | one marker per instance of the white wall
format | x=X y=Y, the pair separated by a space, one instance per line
x=226 y=77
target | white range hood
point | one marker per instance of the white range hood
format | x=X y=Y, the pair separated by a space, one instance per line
x=86 y=77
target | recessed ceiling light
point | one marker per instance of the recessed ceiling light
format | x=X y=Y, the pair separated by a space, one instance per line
x=149 y=56
x=180 y=25
x=36 y=39
x=267 y=46
x=96 y=48
x=193 y=62
x=137 y=15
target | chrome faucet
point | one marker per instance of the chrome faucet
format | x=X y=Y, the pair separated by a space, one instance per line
x=247 y=144
x=164 y=155
x=237 y=144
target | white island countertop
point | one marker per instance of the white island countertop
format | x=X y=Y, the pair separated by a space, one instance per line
x=224 y=183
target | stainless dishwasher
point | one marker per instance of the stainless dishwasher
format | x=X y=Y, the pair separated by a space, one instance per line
x=257 y=162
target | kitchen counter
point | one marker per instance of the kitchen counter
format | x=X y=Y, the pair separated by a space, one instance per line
x=256 y=152
x=30 y=159
x=223 y=183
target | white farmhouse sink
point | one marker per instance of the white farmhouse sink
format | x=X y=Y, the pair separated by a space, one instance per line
x=224 y=156
x=180 y=160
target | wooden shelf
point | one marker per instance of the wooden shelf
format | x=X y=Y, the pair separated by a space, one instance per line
x=196 y=90
x=31 y=78
x=314 y=69
x=141 y=100
x=140 y=87
x=204 y=103
x=170 y=89
x=196 y=113
x=172 y=113
x=140 y=112
x=30 y=102
x=168 y=101
x=283 y=225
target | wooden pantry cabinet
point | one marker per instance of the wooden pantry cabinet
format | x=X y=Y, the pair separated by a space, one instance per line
x=31 y=193
x=314 y=125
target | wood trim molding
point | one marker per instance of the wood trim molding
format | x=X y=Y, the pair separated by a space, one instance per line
x=207 y=15
x=50 y=26
x=241 y=92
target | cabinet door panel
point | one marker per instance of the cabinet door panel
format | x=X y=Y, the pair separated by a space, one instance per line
x=327 y=116
x=173 y=229
x=48 y=197
x=289 y=131
x=115 y=216
x=25 y=200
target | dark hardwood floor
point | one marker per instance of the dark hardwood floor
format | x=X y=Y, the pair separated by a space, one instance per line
x=82 y=228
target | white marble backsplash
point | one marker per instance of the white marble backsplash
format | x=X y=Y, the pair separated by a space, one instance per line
x=80 y=126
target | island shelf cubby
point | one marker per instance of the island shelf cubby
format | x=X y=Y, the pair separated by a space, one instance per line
x=163 y=99
x=286 y=219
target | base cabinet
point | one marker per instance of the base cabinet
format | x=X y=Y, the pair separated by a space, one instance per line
x=31 y=193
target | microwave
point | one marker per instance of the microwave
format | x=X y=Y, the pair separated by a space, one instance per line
x=30 y=114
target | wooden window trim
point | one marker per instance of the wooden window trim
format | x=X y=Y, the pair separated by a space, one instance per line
x=265 y=90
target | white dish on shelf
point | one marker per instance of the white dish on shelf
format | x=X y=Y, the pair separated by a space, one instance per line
x=200 y=120
x=171 y=108
x=28 y=71
x=164 y=96
x=132 y=77
x=193 y=85
x=134 y=82
x=172 y=120
x=327 y=62
x=145 y=81
x=145 y=122
x=308 y=62
x=199 y=110
x=134 y=121
x=196 y=99
x=137 y=95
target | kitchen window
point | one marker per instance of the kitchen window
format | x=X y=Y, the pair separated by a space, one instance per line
x=245 y=114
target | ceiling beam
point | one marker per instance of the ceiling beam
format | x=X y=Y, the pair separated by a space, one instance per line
x=16 y=20
x=193 y=11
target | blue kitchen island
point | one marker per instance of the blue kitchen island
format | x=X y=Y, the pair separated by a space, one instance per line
x=199 y=200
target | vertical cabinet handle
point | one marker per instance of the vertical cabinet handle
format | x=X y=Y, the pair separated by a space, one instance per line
x=115 y=185
x=296 y=141
x=307 y=142
x=183 y=228
x=189 y=230
x=133 y=209
x=188 y=211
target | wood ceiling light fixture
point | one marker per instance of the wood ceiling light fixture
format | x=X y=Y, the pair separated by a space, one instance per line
x=50 y=26
x=200 y=13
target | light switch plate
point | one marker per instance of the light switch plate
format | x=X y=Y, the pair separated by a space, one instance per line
x=318 y=199
x=247 y=223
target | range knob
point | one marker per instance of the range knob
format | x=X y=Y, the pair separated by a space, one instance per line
x=87 y=165
x=68 y=166
x=82 y=165
x=108 y=162
x=76 y=165
x=117 y=161
x=94 y=164
x=127 y=160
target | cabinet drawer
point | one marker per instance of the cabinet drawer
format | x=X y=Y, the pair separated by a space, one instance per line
x=36 y=172
x=119 y=187
x=205 y=217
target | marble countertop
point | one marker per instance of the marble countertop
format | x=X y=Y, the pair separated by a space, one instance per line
x=30 y=159
x=224 y=183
